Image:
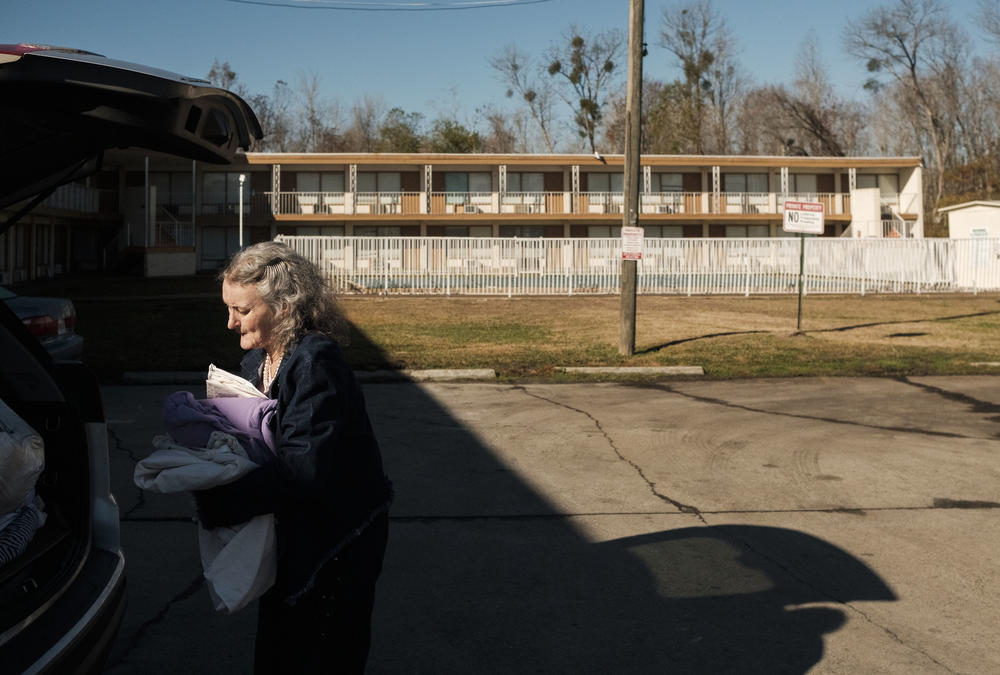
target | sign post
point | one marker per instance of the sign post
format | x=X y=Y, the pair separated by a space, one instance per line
x=630 y=214
x=803 y=218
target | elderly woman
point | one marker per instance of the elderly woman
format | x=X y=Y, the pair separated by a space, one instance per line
x=326 y=485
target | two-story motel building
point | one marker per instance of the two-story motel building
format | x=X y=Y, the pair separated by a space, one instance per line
x=178 y=217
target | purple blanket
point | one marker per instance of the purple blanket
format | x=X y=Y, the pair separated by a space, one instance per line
x=190 y=421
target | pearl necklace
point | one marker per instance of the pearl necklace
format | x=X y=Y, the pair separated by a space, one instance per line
x=270 y=370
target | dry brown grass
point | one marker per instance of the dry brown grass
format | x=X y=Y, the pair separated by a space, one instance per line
x=179 y=324
x=730 y=336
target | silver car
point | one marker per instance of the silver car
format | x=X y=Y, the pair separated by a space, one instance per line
x=51 y=320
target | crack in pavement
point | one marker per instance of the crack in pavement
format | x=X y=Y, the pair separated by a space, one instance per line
x=132 y=641
x=119 y=446
x=778 y=413
x=683 y=508
x=857 y=511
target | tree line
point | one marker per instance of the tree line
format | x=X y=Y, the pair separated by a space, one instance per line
x=932 y=90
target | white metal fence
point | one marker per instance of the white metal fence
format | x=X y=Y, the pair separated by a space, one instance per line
x=501 y=266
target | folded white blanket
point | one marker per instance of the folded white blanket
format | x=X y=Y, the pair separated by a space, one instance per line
x=239 y=562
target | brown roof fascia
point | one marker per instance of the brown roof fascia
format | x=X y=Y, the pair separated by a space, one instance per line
x=699 y=161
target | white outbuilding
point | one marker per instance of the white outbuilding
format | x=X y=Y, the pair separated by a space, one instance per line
x=974 y=220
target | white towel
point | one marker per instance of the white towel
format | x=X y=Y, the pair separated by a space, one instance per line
x=239 y=562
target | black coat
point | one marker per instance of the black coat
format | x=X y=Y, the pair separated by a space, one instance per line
x=326 y=483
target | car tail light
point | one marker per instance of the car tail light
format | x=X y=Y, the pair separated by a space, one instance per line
x=42 y=326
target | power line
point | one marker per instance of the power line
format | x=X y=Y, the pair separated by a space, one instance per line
x=407 y=6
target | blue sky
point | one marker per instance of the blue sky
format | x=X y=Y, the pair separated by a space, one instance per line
x=434 y=62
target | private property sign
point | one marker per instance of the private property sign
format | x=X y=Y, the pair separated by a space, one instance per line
x=632 y=243
x=803 y=217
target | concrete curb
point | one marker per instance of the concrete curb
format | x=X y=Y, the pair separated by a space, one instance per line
x=635 y=370
x=431 y=375
x=428 y=375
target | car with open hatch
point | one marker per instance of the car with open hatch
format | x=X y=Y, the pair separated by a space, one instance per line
x=62 y=569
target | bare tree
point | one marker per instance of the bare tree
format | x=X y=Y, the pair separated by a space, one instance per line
x=318 y=120
x=222 y=75
x=809 y=118
x=366 y=118
x=587 y=68
x=704 y=47
x=917 y=45
x=503 y=131
x=274 y=114
x=989 y=19
x=522 y=78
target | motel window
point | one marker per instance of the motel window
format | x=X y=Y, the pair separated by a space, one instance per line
x=605 y=182
x=604 y=231
x=525 y=182
x=320 y=181
x=744 y=182
x=744 y=231
x=667 y=182
x=380 y=181
x=218 y=243
x=221 y=190
x=663 y=231
x=459 y=183
x=887 y=183
x=320 y=231
x=378 y=231
x=524 y=231
x=804 y=183
x=173 y=191
x=473 y=181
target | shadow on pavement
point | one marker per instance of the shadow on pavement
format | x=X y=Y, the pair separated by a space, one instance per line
x=484 y=575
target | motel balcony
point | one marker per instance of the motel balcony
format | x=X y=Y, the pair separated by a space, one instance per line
x=678 y=204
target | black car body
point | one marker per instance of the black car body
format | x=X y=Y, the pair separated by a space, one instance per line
x=63 y=598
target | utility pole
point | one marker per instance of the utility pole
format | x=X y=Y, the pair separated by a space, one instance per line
x=630 y=214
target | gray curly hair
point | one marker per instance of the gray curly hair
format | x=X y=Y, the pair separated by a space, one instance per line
x=286 y=279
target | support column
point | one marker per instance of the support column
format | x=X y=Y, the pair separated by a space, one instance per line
x=716 y=189
x=501 y=187
x=428 y=186
x=275 y=189
x=574 y=186
x=351 y=198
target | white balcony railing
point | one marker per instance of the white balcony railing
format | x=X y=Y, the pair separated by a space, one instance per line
x=607 y=203
x=532 y=202
x=464 y=202
x=600 y=202
x=671 y=202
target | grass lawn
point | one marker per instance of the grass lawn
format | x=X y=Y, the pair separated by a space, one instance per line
x=180 y=324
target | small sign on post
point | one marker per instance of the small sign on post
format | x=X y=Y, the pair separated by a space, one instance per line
x=632 y=243
x=804 y=218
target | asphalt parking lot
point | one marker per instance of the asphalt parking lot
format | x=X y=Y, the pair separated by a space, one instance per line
x=828 y=525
